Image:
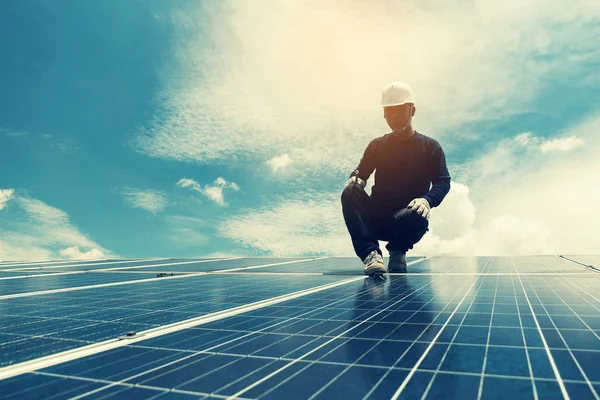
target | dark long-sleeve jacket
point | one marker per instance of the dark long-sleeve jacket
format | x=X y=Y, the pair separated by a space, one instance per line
x=404 y=170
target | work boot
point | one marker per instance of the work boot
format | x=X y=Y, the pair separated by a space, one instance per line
x=374 y=264
x=397 y=262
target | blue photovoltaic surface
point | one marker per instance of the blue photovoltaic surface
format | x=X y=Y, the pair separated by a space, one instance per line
x=71 y=319
x=53 y=282
x=510 y=265
x=592 y=261
x=225 y=264
x=17 y=265
x=328 y=266
x=105 y=265
x=453 y=327
x=22 y=273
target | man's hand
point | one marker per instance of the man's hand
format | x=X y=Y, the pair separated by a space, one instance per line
x=355 y=181
x=421 y=206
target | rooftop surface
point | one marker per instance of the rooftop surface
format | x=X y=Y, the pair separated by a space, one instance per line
x=296 y=328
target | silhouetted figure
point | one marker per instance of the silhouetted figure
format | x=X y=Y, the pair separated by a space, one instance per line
x=406 y=163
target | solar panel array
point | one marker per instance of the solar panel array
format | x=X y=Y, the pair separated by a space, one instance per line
x=301 y=328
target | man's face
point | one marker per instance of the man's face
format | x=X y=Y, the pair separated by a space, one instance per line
x=397 y=116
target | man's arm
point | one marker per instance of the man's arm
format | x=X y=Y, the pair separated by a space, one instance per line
x=439 y=175
x=366 y=166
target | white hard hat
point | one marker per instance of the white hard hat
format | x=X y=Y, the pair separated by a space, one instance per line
x=396 y=93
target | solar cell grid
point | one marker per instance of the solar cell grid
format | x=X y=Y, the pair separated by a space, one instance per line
x=43 y=282
x=101 y=313
x=106 y=265
x=12 y=274
x=591 y=261
x=475 y=327
x=34 y=264
x=216 y=265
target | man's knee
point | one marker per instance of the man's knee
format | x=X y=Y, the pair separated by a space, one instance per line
x=351 y=194
x=405 y=214
x=346 y=195
x=410 y=217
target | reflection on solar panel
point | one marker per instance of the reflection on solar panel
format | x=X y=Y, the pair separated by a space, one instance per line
x=299 y=328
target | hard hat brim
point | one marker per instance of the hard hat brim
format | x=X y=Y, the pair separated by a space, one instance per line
x=398 y=104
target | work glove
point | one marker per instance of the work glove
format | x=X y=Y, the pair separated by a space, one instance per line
x=421 y=206
x=355 y=182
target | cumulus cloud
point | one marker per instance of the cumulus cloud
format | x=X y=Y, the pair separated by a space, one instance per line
x=149 y=200
x=213 y=192
x=545 y=146
x=561 y=144
x=279 y=162
x=35 y=230
x=523 y=203
x=524 y=138
x=457 y=228
x=221 y=254
x=293 y=227
x=5 y=196
x=189 y=183
x=23 y=251
x=74 y=253
x=312 y=72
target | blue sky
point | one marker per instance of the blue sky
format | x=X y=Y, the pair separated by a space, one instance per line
x=195 y=128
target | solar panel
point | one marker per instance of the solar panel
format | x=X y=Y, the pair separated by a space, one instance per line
x=94 y=313
x=219 y=265
x=104 y=265
x=452 y=327
x=34 y=283
x=589 y=261
x=58 y=264
x=12 y=274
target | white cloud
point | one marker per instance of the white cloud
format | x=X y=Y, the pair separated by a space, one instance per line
x=23 y=251
x=213 y=192
x=526 y=138
x=5 y=196
x=312 y=72
x=279 y=162
x=295 y=227
x=189 y=183
x=221 y=254
x=74 y=253
x=35 y=230
x=545 y=146
x=562 y=144
x=457 y=223
x=456 y=227
x=149 y=200
x=53 y=224
x=529 y=204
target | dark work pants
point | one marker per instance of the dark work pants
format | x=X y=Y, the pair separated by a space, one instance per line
x=367 y=224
